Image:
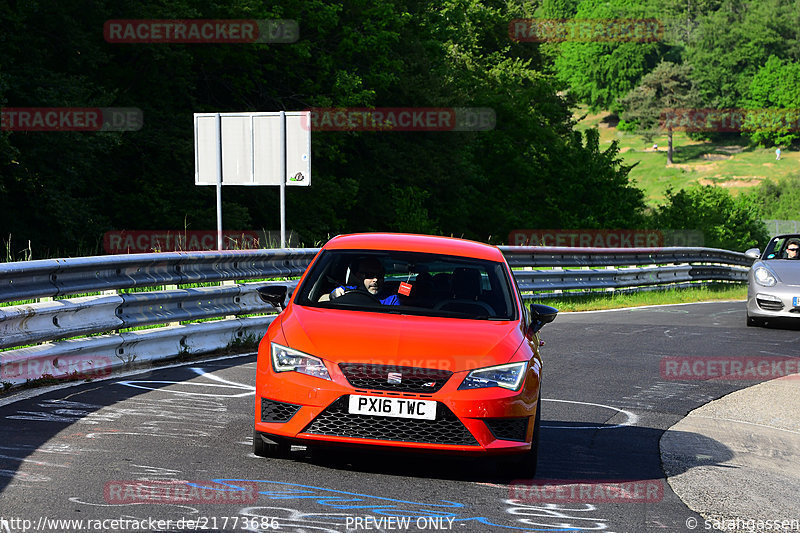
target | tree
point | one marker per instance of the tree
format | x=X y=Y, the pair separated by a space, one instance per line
x=62 y=190
x=559 y=8
x=773 y=95
x=600 y=73
x=668 y=86
x=681 y=18
x=727 y=222
x=780 y=200
x=733 y=42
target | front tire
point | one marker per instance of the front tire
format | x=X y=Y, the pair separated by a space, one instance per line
x=754 y=322
x=274 y=449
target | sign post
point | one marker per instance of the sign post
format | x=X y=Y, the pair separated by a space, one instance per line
x=260 y=148
x=283 y=181
x=218 y=123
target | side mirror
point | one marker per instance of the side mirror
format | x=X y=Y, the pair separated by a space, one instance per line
x=273 y=295
x=753 y=253
x=541 y=315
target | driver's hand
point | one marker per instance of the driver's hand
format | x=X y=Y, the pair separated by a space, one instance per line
x=338 y=291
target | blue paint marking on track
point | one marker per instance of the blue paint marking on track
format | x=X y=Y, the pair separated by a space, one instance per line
x=344 y=500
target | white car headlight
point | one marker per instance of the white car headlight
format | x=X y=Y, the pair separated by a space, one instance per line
x=508 y=376
x=287 y=360
x=764 y=277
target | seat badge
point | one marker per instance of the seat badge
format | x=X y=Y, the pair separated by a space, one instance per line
x=394 y=378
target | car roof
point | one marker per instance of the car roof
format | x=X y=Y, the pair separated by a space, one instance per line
x=415 y=243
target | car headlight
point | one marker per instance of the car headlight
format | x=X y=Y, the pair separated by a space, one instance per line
x=764 y=277
x=287 y=360
x=508 y=376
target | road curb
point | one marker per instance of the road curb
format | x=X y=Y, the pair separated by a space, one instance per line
x=738 y=457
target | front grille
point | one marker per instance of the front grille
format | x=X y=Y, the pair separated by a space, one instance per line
x=272 y=411
x=376 y=377
x=508 y=428
x=446 y=429
x=769 y=305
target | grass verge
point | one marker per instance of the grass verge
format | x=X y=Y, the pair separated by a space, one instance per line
x=598 y=301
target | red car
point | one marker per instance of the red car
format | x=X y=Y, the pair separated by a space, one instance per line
x=403 y=341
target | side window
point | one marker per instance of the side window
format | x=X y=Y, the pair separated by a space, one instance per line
x=774 y=249
x=526 y=319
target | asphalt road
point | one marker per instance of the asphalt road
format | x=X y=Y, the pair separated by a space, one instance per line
x=96 y=451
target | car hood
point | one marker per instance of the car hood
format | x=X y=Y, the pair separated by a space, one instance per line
x=400 y=340
x=788 y=271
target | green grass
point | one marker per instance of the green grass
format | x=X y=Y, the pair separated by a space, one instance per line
x=732 y=165
x=597 y=301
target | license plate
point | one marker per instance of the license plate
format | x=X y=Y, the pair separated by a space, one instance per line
x=396 y=407
x=796 y=301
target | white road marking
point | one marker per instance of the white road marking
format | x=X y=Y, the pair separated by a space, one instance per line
x=632 y=418
x=220 y=382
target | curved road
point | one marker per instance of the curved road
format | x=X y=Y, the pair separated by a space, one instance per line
x=117 y=454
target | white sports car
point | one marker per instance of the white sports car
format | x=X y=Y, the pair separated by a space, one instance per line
x=773 y=291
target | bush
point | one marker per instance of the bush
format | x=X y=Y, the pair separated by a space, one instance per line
x=731 y=223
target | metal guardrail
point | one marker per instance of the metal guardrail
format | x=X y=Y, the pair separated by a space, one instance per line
x=45 y=321
x=553 y=256
x=62 y=325
x=584 y=269
x=58 y=277
x=98 y=356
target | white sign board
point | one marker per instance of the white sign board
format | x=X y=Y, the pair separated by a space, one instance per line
x=265 y=148
x=206 y=149
x=298 y=148
x=253 y=148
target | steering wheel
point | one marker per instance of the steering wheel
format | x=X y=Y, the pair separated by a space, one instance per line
x=357 y=297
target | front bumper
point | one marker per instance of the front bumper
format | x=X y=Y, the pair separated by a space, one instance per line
x=307 y=410
x=765 y=303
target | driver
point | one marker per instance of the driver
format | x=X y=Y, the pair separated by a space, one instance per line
x=367 y=275
x=791 y=249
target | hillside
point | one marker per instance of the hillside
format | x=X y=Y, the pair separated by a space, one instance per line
x=734 y=166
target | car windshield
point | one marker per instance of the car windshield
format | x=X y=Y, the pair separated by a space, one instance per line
x=778 y=247
x=409 y=283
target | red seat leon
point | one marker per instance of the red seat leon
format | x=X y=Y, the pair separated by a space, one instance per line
x=403 y=341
